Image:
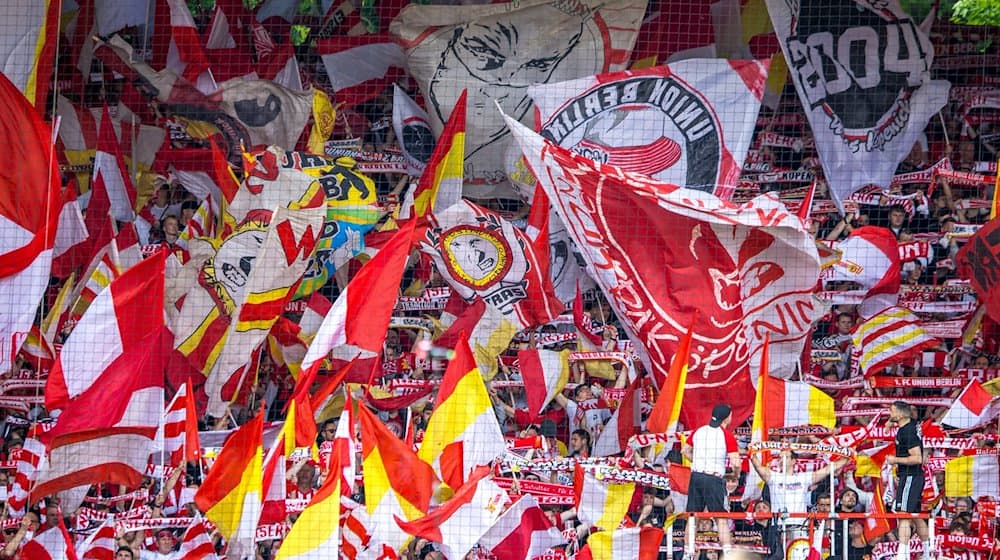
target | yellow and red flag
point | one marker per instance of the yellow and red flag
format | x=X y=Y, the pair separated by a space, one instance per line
x=667 y=410
x=441 y=182
x=463 y=432
x=230 y=496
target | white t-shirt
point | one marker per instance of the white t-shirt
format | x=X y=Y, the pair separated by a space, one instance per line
x=590 y=415
x=790 y=492
x=710 y=446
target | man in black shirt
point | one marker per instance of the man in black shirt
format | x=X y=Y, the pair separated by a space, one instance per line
x=909 y=460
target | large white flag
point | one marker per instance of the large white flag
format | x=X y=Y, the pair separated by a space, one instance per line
x=862 y=70
x=688 y=124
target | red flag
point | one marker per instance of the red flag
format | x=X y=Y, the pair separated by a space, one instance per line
x=110 y=165
x=358 y=320
x=29 y=213
x=978 y=261
x=661 y=252
x=112 y=335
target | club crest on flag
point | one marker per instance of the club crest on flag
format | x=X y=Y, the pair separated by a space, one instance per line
x=484 y=258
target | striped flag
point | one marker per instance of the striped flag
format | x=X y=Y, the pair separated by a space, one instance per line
x=642 y=543
x=972 y=475
x=791 y=403
x=196 y=544
x=441 y=182
x=545 y=373
x=179 y=429
x=974 y=407
x=230 y=495
x=601 y=504
x=316 y=533
x=101 y=544
x=463 y=431
x=465 y=518
x=521 y=532
x=667 y=410
x=28 y=462
x=274 y=489
x=891 y=336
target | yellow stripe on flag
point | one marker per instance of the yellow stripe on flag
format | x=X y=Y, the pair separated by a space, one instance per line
x=315 y=535
x=616 y=506
x=453 y=416
x=958 y=477
x=821 y=408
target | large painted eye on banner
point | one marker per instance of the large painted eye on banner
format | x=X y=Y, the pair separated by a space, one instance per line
x=476 y=257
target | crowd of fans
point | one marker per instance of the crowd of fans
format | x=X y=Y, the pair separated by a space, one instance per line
x=797 y=482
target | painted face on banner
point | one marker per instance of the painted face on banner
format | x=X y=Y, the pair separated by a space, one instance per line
x=475 y=256
x=496 y=52
x=228 y=272
x=496 y=60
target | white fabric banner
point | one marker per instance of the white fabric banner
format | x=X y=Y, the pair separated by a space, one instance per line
x=862 y=73
x=688 y=124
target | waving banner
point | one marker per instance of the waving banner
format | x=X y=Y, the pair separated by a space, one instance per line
x=664 y=254
x=861 y=69
x=979 y=262
x=496 y=51
x=688 y=124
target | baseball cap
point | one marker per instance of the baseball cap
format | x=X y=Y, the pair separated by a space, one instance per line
x=720 y=413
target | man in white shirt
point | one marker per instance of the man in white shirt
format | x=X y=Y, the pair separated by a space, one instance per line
x=711 y=446
x=790 y=490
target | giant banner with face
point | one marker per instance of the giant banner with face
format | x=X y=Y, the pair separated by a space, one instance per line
x=688 y=124
x=663 y=255
x=496 y=51
x=861 y=69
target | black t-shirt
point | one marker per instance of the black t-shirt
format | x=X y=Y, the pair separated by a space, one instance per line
x=908 y=437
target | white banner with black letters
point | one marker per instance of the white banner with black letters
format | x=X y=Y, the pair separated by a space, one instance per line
x=861 y=68
x=688 y=124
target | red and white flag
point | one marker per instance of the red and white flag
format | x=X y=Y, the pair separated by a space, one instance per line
x=522 y=531
x=545 y=373
x=889 y=337
x=29 y=214
x=461 y=521
x=196 y=544
x=110 y=335
x=973 y=408
x=870 y=258
x=624 y=423
x=178 y=430
x=177 y=46
x=109 y=164
x=873 y=98
x=748 y=270
x=689 y=137
x=101 y=544
x=357 y=322
x=53 y=543
x=69 y=251
x=28 y=461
